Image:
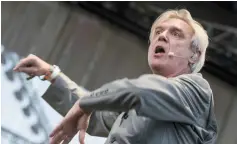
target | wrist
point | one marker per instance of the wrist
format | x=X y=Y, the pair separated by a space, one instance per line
x=55 y=72
x=52 y=72
x=83 y=110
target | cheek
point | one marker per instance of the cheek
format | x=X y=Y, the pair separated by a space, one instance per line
x=178 y=62
x=180 y=49
x=150 y=51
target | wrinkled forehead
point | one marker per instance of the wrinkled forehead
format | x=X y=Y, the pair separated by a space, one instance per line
x=177 y=23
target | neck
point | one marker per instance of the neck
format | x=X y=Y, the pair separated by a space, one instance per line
x=174 y=74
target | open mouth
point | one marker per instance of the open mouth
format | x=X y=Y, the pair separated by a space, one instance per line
x=159 y=49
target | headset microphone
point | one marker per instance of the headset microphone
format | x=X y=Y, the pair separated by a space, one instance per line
x=171 y=54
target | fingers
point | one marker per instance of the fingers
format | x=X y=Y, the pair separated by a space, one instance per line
x=25 y=62
x=67 y=140
x=57 y=138
x=82 y=134
x=22 y=62
x=28 y=70
x=83 y=125
x=56 y=130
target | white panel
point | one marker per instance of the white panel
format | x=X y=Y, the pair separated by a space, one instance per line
x=21 y=112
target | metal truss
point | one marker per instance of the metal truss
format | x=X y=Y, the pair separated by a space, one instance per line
x=137 y=17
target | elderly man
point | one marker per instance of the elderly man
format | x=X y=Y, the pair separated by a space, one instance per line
x=174 y=105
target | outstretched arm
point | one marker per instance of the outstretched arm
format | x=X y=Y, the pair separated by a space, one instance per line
x=182 y=99
x=63 y=93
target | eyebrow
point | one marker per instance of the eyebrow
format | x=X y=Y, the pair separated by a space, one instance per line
x=177 y=29
x=172 y=27
x=159 y=27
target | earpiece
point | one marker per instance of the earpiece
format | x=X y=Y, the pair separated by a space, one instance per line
x=195 y=48
x=194 y=57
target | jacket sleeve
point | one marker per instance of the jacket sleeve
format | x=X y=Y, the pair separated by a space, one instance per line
x=63 y=93
x=181 y=99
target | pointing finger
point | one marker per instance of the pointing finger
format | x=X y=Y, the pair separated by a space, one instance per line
x=25 y=62
x=28 y=70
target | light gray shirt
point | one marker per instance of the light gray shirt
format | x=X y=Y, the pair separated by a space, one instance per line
x=151 y=109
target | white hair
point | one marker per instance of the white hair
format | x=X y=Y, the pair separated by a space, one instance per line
x=200 y=37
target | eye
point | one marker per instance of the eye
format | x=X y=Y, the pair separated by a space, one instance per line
x=176 y=34
x=157 y=32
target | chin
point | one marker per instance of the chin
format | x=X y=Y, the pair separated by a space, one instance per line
x=155 y=67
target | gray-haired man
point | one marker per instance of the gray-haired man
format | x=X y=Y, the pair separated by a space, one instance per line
x=174 y=105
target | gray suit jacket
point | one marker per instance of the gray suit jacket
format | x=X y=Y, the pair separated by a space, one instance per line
x=148 y=110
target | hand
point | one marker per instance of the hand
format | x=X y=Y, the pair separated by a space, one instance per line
x=75 y=120
x=33 y=66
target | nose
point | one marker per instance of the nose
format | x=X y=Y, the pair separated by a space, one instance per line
x=163 y=37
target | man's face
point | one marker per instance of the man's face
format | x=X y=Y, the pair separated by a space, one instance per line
x=172 y=35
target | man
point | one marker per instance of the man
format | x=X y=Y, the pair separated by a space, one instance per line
x=174 y=105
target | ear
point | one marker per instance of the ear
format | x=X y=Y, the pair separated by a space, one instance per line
x=195 y=57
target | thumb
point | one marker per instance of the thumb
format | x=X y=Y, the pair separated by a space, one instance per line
x=82 y=134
